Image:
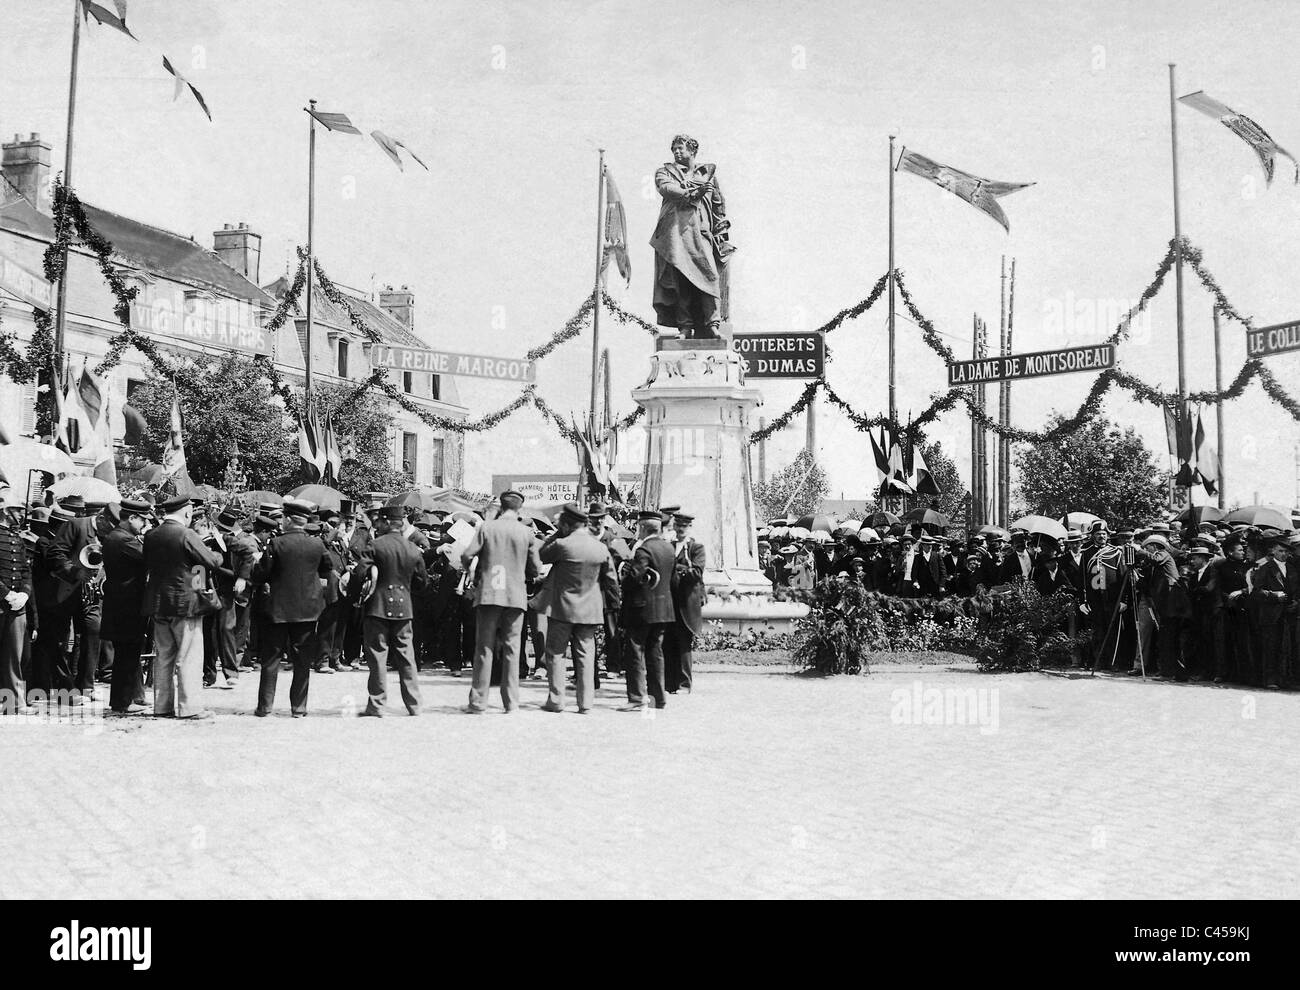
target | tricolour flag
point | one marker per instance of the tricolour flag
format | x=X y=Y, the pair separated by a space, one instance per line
x=879 y=456
x=135 y=425
x=1265 y=148
x=615 y=231
x=333 y=456
x=897 y=480
x=918 y=474
x=181 y=84
x=103 y=16
x=173 y=455
x=390 y=146
x=334 y=121
x=311 y=448
x=983 y=194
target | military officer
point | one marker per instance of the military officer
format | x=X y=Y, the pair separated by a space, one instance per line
x=688 y=601
x=232 y=583
x=81 y=607
x=328 y=653
x=124 y=623
x=647 y=611
x=15 y=606
x=387 y=576
x=296 y=567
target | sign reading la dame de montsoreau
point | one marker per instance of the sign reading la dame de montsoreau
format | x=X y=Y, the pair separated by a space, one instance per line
x=1092 y=357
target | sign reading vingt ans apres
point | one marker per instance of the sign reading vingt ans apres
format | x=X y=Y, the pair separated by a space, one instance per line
x=1277 y=339
x=448 y=363
x=1093 y=357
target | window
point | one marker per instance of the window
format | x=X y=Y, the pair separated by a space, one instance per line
x=409 y=450
x=435 y=386
x=343 y=358
x=406 y=382
x=132 y=384
x=435 y=458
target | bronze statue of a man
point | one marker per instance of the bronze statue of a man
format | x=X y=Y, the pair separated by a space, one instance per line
x=691 y=244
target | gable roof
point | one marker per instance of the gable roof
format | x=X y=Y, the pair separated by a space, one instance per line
x=150 y=249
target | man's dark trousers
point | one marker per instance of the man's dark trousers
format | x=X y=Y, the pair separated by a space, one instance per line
x=294 y=640
x=645 y=662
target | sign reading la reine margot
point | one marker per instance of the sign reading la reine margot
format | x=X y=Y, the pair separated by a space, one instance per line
x=1092 y=357
x=448 y=363
x=796 y=354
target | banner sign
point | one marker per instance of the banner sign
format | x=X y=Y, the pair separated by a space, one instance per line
x=448 y=363
x=538 y=488
x=781 y=355
x=1093 y=357
x=1277 y=339
x=230 y=324
x=25 y=284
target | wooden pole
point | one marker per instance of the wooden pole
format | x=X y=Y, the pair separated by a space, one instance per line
x=1218 y=405
x=595 y=289
x=810 y=437
x=1004 y=509
x=762 y=452
x=893 y=407
x=1002 y=401
x=975 y=431
x=61 y=317
x=311 y=257
x=1178 y=255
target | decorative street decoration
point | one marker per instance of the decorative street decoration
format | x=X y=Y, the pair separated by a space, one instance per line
x=781 y=355
x=449 y=363
x=1277 y=339
x=1093 y=357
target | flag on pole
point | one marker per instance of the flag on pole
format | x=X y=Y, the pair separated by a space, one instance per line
x=983 y=194
x=173 y=455
x=333 y=456
x=390 y=146
x=615 y=231
x=897 y=482
x=103 y=16
x=311 y=448
x=334 y=121
x=74 y=427
x=135 y=424
x=879 y=456
x=918 y=474
x=105 y=454
x=91 y=394
x=1265 y=148
x=181 y=84
x=1207 y=458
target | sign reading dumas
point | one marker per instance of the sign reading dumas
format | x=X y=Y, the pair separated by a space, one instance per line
x=796 y=354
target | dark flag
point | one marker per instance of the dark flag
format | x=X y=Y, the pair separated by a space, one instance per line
x=615 y=231
x=103 y=16
x=983 y=194
x=181 y=84
x=334 y=121
x=1264 y=146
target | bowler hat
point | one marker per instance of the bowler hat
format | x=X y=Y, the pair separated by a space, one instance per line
x=597 y=510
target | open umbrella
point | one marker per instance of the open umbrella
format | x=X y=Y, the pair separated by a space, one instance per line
x=1271 y=516
x=1079 y=520
x=799 y=533
x=1041 y=526
x=882 y=520
x=819 y=521
x=868 y=535
x=25 y=454
x=323 y=495
x=932 y=521
x=820 y=536
x=1194 y=515
x=91 y=489
x=989 y=529
x=254 y=499
x=207 y=493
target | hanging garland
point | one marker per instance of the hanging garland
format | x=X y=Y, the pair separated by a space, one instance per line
x=928 y=333
x=1194 y=258
x=484 y=423
x=571 y=329
x=782 y=421
x=853 y=312
x=278 y=385
x=623 y=316
x=1122 y=329
x=70 y=216
x=627 y=421
x=333 y=294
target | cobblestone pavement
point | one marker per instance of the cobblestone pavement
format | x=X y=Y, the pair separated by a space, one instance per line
x=761 y=784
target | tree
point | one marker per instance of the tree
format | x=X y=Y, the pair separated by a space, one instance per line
x=802 y=484
x=1099 y=469
x=363 y=434
x=231 y=402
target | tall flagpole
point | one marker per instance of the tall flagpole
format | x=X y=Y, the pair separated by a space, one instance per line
x=893 y=409
x=595 y=289
x=1178 y=241
x=311 y=224
x=1218 y=403
x=61 y=318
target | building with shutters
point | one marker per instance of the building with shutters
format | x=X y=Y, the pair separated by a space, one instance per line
x=194 y=299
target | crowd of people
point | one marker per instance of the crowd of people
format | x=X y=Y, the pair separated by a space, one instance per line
x=1215 y=602
x=170 y=593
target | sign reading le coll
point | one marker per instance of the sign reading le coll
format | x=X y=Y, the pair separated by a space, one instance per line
x=1277 y=339
x=447 y=363
x=781 y=355
x=1093 y=357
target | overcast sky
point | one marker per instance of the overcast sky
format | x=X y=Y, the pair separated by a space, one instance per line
x=508 y=102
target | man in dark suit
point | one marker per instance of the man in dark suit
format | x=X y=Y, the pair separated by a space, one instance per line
x=1223 y=598
x=177 y=561
x=506 y=555
x=648 y=611
x=385 y=580
x=688 y=600
x=297 y=568
x=123 y=623
x=573 y=600
x=232 y=583
x=327 y=653
x=1018 y=565
x=81 y=607
x=15 y=604
x=1072 y=561
x=1049 y=576
x=1275 y=584
x=928 y=569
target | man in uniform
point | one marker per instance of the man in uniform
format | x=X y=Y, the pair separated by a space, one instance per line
x=386 y=578
x=123 y=623
x=176 y=560
x=688 y=601
x=647 y=611
x=232 y=580
x=1275 y=590
x=327 y=654
x=506 y=556
x=81 y=607
x=297 y=568
x=15 y=603
x=573 y=601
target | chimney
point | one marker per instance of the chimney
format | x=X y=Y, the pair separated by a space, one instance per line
x=399 y=304
x=239 y=248
x=27 y=166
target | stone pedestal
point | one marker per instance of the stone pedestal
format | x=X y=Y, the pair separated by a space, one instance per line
x=698 y=413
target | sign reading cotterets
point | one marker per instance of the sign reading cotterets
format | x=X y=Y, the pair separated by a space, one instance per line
x=1094 y=357
x=1277 y=339
x=781 y=355
x=447 y=363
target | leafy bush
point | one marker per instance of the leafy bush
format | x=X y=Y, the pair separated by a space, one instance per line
x=1026 y=631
